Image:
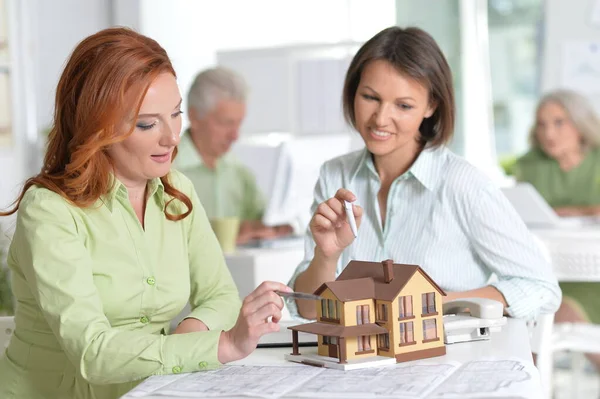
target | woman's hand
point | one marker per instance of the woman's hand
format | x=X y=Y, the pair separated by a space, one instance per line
x=329 y=225
x=259 y=315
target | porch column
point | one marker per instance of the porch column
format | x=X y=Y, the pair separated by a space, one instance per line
x=295 y=343
x=343 y=357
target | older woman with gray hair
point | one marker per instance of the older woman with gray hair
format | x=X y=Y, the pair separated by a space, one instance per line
x=227 y=189
x=564 y=166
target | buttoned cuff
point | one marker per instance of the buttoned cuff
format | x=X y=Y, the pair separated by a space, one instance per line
x=186 y=353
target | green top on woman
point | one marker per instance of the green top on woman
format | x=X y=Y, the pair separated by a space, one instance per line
x=579 y=186
x=96 y=292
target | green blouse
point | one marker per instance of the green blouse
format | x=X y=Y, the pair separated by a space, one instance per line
x=577 y=187
x=95 y=294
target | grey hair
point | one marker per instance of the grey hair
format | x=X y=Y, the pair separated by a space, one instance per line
x=215 y=84
x=579 y=110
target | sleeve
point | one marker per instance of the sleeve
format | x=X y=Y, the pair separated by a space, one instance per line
x=254 y=201
x=320 y=195
x=51 y=254
x=214 y=297
x=505 y=245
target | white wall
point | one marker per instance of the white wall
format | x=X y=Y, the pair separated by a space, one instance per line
x=46 y=33
x=566 y=21
x=193 y=31
x=59 y=25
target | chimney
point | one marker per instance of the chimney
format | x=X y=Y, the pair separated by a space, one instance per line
x=388 y=270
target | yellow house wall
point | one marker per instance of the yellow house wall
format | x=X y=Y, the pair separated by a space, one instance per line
x=327 y=294
x=415 y=287
x=389 y=324
x=323 y=350
x=350 y=320
x=347 y=318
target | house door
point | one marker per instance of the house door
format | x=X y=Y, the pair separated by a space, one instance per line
x=333 y=351
x=332 y=343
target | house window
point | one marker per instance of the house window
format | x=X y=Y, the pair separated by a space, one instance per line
x=428 y=303
x=383 y=312
x=384 y=341
x=362 y=314
x=406 y=307
x=330 y=308
x=429 y=329
x=406 y=333
x=329 y=340
x=364 y=343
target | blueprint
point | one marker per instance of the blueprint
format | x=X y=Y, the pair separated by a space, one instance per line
x=491 y=377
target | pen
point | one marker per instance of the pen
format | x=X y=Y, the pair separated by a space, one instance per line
x=298 y=295
x=351 y=220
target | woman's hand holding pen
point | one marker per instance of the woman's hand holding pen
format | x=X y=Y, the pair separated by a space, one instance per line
x=259 y=315
x=329 y=226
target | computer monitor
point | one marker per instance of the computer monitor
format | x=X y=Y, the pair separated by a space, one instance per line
x=287 y=168
x=537 y=213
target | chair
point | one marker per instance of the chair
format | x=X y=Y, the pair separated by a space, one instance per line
x=575 y=257
x=7 y=326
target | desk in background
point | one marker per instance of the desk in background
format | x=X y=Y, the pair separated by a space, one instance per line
x=249 y=267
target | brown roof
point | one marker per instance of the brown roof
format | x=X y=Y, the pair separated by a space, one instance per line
x=350 y=290
x=359 y=279
x=338 y=330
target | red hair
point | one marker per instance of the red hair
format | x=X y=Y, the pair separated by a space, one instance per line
x=105 y=79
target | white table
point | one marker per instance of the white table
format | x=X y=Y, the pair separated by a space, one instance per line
x=512 y=341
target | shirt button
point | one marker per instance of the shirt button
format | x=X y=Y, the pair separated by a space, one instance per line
x=176 y=370
x=144 y=319
x=202 y=365
x=151 y=280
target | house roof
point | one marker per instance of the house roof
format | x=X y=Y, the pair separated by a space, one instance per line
x=338 y=330
x=362 y=280
x=350 y=290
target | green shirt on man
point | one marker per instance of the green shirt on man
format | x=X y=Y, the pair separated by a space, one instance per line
x=229 y=190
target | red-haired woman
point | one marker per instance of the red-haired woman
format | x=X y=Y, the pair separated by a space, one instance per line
x=110 y=244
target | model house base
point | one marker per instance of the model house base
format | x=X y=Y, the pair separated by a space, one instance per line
x=313 y=359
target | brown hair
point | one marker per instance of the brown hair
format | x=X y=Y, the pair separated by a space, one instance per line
x=105 y=79
x=415 y=54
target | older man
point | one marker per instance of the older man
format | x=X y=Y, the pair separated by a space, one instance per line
x=216 y=108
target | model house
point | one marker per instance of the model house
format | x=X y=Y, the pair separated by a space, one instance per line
x=378 y=309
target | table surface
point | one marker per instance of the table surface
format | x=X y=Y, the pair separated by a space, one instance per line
x=511 y=342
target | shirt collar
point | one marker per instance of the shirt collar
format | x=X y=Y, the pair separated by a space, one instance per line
x=426 y=169
x=117 y=190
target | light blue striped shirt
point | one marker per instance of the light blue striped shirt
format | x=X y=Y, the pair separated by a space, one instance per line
x=444 y=215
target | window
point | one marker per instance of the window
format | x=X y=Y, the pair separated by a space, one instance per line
x=406 y=306
x=364 y=343
x=384 y=341
x=428 y=303
x=329 y=340
x=383 y=312
x=5 y=77
x=429 y=329
x=406 y=333
x=330 y=308
x=362 y=314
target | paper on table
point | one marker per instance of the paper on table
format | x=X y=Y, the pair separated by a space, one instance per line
x=426 y=379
